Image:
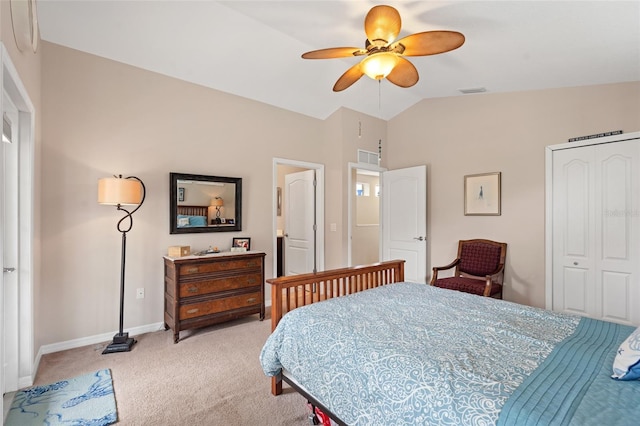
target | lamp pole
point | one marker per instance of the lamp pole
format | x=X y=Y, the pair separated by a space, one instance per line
x=121 y=341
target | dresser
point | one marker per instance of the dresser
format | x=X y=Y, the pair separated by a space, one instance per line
x=204 y=290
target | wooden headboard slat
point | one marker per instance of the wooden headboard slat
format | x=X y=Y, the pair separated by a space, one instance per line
x=193 y=210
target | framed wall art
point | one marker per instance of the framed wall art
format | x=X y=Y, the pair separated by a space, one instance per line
x=482 y=194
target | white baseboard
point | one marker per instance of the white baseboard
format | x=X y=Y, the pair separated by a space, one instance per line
x=84 y=341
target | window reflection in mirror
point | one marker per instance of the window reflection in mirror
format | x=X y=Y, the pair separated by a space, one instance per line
x=201 y=203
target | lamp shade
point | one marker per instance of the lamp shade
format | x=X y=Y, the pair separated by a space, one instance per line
x=114 y=191
x=379 y=65
x=217 y=202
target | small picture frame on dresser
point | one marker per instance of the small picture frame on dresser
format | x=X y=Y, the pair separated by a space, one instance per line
x=241 y=243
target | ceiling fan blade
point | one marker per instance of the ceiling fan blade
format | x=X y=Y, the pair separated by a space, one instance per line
x=382 y=23
x=334 y=52
x=352 y=75
x=428 y=43
x=404 y=74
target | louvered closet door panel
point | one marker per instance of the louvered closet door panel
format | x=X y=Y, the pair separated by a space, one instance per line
x=573 y=227
x=618 y=231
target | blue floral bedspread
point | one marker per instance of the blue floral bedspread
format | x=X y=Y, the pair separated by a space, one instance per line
x=409 y=354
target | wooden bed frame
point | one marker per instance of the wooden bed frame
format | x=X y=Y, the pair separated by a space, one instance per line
x=193 y=210
x=291 y=292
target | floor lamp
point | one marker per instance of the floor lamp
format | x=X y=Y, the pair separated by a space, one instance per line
x=118 y=191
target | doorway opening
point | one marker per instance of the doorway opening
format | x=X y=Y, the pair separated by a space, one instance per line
x=298 y=217
x=364 y=218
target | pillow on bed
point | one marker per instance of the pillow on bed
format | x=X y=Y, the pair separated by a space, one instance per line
x=197 y=221
x=626 y=365
x=183 y=220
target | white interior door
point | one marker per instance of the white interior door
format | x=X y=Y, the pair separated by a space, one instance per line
x=300 y=223
x=404 y=220
x=9 y=247
x=17 y=226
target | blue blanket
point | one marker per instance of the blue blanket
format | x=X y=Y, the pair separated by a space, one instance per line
x=407 y=354
x=573 y=386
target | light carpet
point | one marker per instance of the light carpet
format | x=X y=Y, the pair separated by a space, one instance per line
x=83 y=400
x=212 y=377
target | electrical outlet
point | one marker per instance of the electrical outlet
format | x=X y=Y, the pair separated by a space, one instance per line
x=140 y=293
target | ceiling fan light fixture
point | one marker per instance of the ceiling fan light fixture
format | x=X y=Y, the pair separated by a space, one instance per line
x=379 y=65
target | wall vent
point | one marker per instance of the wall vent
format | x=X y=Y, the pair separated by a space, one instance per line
x=368 y=157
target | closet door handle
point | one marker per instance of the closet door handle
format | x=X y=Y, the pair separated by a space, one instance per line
x=8 y=270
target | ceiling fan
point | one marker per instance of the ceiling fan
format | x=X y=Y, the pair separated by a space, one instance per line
x=384 y=56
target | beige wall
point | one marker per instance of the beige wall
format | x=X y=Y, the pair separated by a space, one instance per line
x=101 y=117
x=504 y=133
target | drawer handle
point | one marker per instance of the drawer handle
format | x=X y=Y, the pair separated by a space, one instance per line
x=251 y=280
x=192 y=289
x=192 y=270
x=192 y=311
x=251 y=300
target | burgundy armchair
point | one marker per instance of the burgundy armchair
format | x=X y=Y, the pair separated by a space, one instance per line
x=479 y=268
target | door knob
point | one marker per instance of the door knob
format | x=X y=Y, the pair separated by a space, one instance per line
x=421 y=238
x=9 y=270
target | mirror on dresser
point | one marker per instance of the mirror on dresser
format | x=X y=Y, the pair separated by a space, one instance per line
x=201 y=203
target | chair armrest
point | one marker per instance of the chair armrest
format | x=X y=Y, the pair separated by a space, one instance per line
x=499 y=270
x=434 y=277
x=489 y=279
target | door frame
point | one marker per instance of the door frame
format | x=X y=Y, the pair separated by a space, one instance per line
x=320 y=237
x=548 y=190
x=351 y=201
x=13 y=86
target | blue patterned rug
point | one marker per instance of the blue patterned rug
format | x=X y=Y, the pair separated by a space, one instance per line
x=84 y=400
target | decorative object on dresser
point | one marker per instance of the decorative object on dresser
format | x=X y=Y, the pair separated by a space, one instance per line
x=118 y=191
x=243 y=242
x=179 y=251
x=205 y=290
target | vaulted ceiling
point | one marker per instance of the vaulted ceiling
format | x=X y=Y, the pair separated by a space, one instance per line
x=252 y=48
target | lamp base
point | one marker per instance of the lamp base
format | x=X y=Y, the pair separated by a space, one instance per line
x=121 y=343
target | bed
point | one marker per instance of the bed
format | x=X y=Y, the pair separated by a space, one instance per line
x=192 y=216
x=381 y=351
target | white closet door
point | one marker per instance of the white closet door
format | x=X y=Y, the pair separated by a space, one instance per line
x=573 y=225
x=596 y=231
x=618 y=231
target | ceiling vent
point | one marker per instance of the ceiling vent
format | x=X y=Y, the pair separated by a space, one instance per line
x=473 y=90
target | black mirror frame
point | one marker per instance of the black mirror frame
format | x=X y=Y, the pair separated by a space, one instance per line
x=173 y=203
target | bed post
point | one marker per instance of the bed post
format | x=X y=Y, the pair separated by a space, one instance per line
x=276 y=384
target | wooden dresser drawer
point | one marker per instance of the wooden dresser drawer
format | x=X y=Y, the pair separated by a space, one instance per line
x=204 y=267
x=198 y=288
x=216 y=306
x=206 y=290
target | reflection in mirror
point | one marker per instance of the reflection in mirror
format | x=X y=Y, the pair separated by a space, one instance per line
x=200 y=203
